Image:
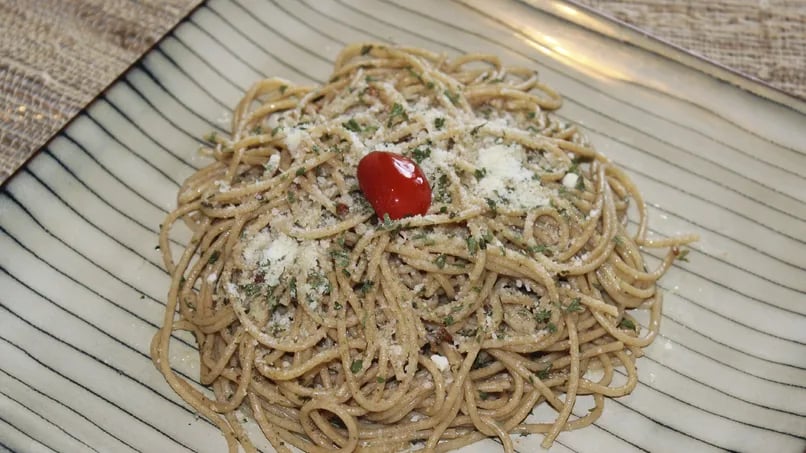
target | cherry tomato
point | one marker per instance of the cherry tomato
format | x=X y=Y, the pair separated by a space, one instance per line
x=393 y=185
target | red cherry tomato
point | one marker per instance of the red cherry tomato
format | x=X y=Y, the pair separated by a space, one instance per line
x=394 y=185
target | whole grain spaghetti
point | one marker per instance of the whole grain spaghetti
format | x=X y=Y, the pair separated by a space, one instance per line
x=337 y=330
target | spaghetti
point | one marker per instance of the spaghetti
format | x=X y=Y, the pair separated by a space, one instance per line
x=339 y=330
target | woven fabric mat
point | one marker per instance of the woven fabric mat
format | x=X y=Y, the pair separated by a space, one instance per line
x=765 y=39
x=57 y=55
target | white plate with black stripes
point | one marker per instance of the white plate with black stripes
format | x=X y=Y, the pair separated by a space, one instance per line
x=82 y=287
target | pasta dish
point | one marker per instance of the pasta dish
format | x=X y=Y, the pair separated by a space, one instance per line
x=415 y=255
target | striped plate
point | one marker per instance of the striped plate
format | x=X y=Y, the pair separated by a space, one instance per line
x=82 y=287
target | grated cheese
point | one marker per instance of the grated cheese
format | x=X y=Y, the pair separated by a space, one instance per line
x=440 y=361
x=506 y=176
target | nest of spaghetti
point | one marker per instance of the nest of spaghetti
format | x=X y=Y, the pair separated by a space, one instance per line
x=336 y=330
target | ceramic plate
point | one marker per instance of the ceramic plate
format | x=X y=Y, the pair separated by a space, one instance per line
x=82 y=287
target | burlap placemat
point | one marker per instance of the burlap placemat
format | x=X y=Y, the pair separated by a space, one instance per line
x=765 y=39
x=57 y=55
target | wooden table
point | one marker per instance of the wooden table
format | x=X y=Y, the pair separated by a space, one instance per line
x=57 y=55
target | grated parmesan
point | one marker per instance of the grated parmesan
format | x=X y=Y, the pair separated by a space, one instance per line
x=506 y=176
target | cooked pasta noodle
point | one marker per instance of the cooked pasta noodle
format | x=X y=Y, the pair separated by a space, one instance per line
x=337 y=330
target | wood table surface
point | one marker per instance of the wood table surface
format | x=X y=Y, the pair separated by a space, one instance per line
x=58 y=55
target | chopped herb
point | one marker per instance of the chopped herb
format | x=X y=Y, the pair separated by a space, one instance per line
x=300 y=171
x=292 y=287
x=440 y=261
x=352 y=125
x=387 y=221
x=627 y=323
x=439 y=122
x=419 y=155
x=480 y=173
x=544 y=373
x=574 y=305
x=356 y=366
x=212 y=137
x=543 y=315
x=580 y=185
x=472 y=245
x=430 y=85
x=454 y=98
x=397 y=111
x=341 y=257
x=448 y=320
x=443 y=210
x=618 y=240
x=213 y=257
x=250 y=289
x=441 y=189
x=530 y=115
x=369 y=79
x=541 y=248
x=257 y=130
x=366 y=49
x=483 y=395
x=380 y=380
x=366 y=286
x=276 y=130
x=414 y=73
x=493 y=206
x=551 y=327
x=290 y=197
x=337 y=306
x=283 y=88
x=682 y=255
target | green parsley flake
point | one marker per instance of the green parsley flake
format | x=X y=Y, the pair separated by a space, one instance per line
x=544 y=373
x=472 y=245
x=356 y=366
x=543 y=315
x=574 y=305
x=397 y=112
x=420 y=154
x=627 y=323
x=454 y=98
x=366 y=287
x=440 y=261
x=352 y=125
x=439 y=123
